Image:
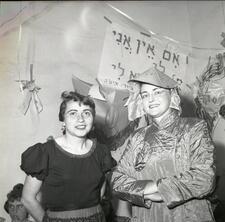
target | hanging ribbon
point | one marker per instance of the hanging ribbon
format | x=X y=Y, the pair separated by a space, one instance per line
x=30 y=90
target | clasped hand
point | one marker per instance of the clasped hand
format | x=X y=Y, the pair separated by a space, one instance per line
x=151 y=192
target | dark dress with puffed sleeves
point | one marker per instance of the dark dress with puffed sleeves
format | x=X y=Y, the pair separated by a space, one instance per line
x=70 y=181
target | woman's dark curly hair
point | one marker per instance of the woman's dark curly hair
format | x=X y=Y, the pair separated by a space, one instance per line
x=222 y=111
x=74 y=96
x=14 y=194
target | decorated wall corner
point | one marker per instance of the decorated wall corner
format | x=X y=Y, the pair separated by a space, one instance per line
x=209 y=94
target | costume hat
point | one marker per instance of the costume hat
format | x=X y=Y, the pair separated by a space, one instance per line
x=155 y=77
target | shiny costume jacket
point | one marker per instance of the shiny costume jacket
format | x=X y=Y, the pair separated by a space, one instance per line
x=178 y=154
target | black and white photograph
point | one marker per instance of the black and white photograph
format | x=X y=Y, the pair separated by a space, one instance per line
x=112 y=111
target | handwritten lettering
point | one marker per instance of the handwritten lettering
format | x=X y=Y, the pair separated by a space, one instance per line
x=130 y=52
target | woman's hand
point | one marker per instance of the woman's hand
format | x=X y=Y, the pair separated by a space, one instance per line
x=156 y=197
x=151 y=192
x=150 y=188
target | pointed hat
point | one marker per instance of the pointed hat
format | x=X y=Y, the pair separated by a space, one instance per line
x=155 y=77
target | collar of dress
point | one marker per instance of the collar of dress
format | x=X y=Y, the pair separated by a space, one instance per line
x=167 y=120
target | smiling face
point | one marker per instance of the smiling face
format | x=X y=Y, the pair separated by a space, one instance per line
x=17 y=211
x=78 y=119
x=156 y=100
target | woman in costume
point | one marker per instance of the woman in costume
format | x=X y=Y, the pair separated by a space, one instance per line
x=167 y=169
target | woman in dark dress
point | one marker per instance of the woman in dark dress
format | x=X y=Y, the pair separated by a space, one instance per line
x=69 y=170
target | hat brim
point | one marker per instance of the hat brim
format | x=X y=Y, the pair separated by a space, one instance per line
x=170 y=85
x=155 y=77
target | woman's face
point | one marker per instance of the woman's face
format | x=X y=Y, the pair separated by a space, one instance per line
x=17 y=211
x=78 y=119
x=156 y=100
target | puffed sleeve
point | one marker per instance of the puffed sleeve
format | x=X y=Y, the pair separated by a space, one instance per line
x=34 y=161
x=199 y=179
x=107 y=162
x=124 y=183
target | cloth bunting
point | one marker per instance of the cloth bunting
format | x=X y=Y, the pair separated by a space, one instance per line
x=30 y=90
x=134 y=103
x=209 y=94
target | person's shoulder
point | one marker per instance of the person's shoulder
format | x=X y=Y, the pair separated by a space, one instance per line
x=138 y=133
x=101 y=150
x=44 y=146
x=98 y=145
x=34 y=160
x=141 y=129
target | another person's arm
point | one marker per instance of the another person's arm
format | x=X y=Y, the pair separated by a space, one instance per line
x=29 y=198
x=124 y=182
x=117 y=140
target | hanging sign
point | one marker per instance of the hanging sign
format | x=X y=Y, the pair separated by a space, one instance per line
x=127 y=52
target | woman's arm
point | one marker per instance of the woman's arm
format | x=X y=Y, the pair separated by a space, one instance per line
x=117 y=140
x=197 y=181
x=29 y=198
x=124 y=183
